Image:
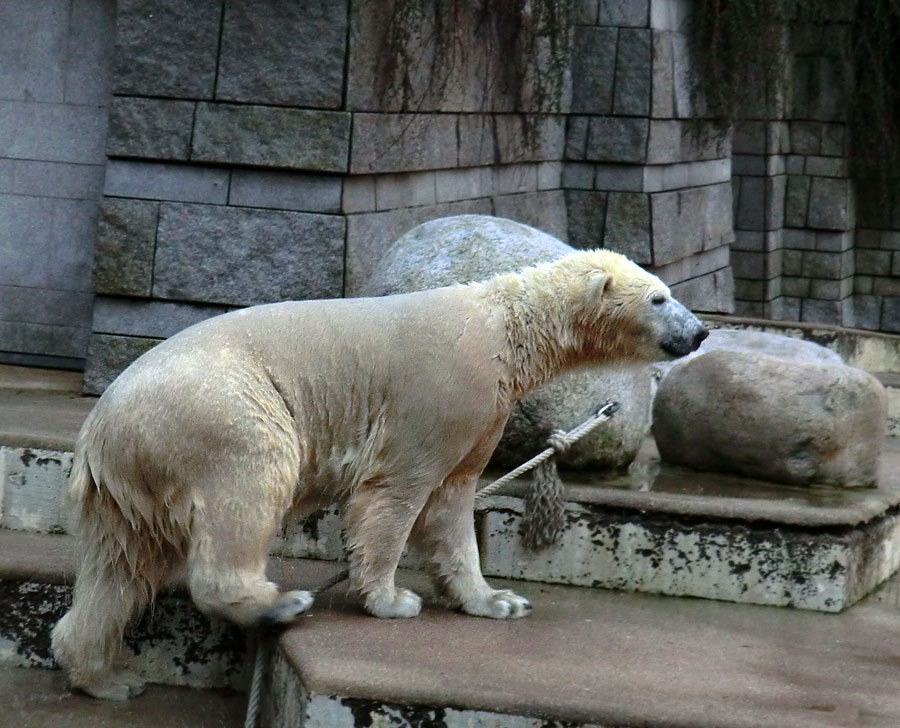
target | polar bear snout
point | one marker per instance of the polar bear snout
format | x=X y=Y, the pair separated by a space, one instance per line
x=682 y=332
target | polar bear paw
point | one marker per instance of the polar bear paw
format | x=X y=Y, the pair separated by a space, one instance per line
x=405 y=604
x=499 y=604
x=119 y=685
x=287 y=608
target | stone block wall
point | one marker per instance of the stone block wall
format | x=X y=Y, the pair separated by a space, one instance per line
x=54 y=88
x=262 y=150
x=644 y=173
x=252 y=157
x=812 y=244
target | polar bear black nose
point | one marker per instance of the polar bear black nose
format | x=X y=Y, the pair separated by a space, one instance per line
x=699 y=337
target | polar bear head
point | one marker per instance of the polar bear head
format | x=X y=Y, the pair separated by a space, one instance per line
x=622 y=312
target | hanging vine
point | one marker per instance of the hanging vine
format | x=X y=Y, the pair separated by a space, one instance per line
x=746 y=49
x=507 y=56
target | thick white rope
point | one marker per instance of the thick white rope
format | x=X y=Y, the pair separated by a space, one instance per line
x=558 y=442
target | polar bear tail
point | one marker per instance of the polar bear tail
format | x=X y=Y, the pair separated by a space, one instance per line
x=119 y=570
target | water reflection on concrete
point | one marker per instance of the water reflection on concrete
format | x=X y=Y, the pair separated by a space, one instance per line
x=649 y=474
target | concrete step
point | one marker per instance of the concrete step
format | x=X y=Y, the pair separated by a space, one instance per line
x=593 y=658
x=584 y=657
x=174 y=644
x=660 y=529
x=41 y=699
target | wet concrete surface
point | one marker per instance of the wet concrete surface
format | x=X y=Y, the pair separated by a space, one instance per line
x=617 y=659
x=655 y=486
x=41 y=408
x=34 y=698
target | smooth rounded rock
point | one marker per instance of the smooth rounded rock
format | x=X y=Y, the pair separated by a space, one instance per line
x=772 y=418
x=468 y=248
x=758 y=342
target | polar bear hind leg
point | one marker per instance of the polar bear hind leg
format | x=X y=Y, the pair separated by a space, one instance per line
x=229 y=550
x=445 y=535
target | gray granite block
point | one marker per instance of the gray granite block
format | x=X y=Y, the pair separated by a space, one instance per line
x=826 y=166
x=831 y=290
x=166 y=48
x=617 y=139
x=867 y=312
x=44 y=340
x=684 y=222
x=585 y=12
x=272 y=137
x=835 y=242
x=593 y=70
x=92 y=32
x=245 y=256
x=711 y=293
x=662 y=76
x=890 y=314
x=749 y=207
x=407 y=142
x=123 y=254
x=150 y=128
x=586 y=216
x=44 y=306
x=161 y=181
x=620 y=177
x=675 y=141
x=51 y=179
x=33 y=61
x=873 y=262
x=796 y=200
x=285 y=190
x=577 y=176
x=155 y=319
x=627 y=227
x=834 y=140
x=545 y=210
x=411 y=189
x=776 y=187
x=833 y=266
x=830 y=204
x=53 y=132
x=46 y=241
x=109 y=356
x=633 y=62
x=821 y=312
x=806 y=137
x=576 y=136
x=624 y=13
x=287 y=53
x=748 y=265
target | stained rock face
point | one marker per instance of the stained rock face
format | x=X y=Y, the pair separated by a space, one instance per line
x=790 y=420
x=468 y=248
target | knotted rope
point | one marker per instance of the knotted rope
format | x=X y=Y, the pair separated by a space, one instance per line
x=541 y=526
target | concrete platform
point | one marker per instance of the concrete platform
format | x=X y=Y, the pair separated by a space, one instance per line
x=660 y=530
x=594 y=657
x=585 y=657
x=41 y=699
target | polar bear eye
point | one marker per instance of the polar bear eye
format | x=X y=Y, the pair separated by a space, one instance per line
x=658 y=299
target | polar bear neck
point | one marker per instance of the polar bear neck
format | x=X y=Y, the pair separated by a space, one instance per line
x=540 y=340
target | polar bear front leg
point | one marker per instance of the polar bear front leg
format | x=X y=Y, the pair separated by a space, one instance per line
x=445 y=533
x=379 y=519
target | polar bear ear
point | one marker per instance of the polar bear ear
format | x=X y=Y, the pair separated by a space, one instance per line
x=599 y=286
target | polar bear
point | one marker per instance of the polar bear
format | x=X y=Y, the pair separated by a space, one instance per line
x=196 y=454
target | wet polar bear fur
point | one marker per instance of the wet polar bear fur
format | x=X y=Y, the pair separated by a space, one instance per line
x=196 y=455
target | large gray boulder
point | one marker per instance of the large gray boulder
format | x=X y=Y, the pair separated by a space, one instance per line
x=758 y=342
x=468 y=248
x=789 y=420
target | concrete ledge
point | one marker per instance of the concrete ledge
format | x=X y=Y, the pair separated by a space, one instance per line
x=590 y=657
